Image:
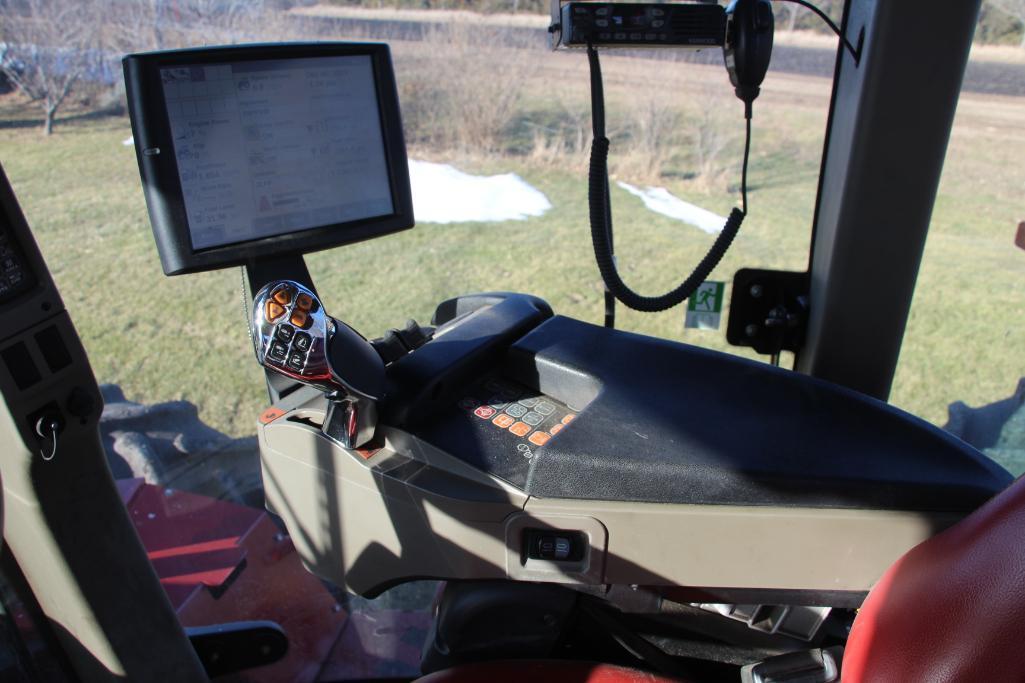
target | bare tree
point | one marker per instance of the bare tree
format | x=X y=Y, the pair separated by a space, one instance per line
x=220 y=21
x=138 y=25
x=46 y=47
x=1016 y=10
x=160 y=24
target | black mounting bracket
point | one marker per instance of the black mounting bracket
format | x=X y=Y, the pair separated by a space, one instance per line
x=768 y=310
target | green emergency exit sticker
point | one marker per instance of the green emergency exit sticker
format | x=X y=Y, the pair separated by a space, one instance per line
x=704 y=307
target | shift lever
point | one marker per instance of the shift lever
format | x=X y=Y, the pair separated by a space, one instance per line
x=295 y=336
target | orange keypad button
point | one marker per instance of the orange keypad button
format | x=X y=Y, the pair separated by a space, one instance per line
x=520 y=428
x=304 y=302
x=298 y=318
x=539 y=438
x=274 y=310
x=569 y=418
x=504 y=421
x=283 y=296
x=556 y=428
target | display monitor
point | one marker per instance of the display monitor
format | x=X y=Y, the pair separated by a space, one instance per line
x=249 y=152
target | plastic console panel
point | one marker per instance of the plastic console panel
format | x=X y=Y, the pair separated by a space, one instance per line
x=679 y=466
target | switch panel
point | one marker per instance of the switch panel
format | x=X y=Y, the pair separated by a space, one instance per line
x=15 y=277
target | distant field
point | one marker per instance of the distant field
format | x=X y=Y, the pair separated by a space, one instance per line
x=185 y=338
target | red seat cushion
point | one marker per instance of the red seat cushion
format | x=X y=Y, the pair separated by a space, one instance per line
x=543 y=671
x=952 y=608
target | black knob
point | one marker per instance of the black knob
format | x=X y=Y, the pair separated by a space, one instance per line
x=81 y=403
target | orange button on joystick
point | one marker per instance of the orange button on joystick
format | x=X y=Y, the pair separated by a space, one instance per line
x=304 y=302
x=274 y=310
x=299 y=319
x=283 y=296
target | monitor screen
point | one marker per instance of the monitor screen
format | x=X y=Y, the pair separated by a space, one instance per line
x=274 y=146
x=260 y=150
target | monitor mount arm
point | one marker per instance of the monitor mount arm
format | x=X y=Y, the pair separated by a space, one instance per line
x=294 y=336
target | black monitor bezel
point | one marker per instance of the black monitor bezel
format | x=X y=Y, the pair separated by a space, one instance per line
x=159 y=171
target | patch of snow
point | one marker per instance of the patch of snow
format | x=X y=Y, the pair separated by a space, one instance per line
x=128 y=141
x=444 y=194
x=660 y=200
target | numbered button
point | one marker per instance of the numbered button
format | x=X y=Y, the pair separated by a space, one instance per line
x=504 y=421
x=520 y=429
x=532 y=418
x=539 y=438
x=516 y=410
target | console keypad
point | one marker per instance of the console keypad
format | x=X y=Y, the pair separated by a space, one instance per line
x=514 y=414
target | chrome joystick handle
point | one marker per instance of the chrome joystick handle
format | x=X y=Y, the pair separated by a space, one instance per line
x=291 y=332
x=295 y=336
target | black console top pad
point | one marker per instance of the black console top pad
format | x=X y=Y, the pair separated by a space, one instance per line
x=666 y=422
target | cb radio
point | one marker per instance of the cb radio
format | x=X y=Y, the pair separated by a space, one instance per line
x=621 y=24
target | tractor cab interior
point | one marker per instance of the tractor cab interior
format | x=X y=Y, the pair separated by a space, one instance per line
x=587 y=494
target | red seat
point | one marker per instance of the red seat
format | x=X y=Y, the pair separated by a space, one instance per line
x=951 y=609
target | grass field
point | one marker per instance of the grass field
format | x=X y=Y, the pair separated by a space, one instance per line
x=185 y=338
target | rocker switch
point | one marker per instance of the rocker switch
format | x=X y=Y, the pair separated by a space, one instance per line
x=551 y=546
x=555 y=547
